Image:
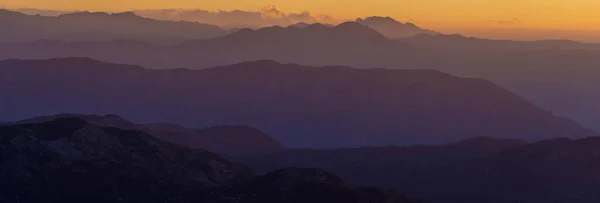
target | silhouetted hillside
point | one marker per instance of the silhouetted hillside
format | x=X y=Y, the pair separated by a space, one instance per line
x=298 y=105
x=71 y=160
x=392 y=28
x=471 y=171
x=110 y=120
x=224 y=140
x=86 y=26
x=304 y=185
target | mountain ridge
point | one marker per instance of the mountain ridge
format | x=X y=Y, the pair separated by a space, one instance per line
x=483 y=169
x=104 y=164
x=224 y=140
x=393 y=106
x=107 y=164
x=394 y=29
x=100 y=26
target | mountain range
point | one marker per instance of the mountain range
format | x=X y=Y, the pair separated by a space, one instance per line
x=223 y=140
x=95 y=160
x=377 y=108
x=475 y=170
x=555 y=75
x=69 y=159
x=99 y=26
x=300 y=106
x=392 y=28
x=102 y=164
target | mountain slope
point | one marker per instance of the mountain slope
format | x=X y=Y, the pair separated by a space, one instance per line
x=91 y=163
x=460 y=43
x=471 y=171
x=331 y=106
x=85 y=26
x=313 y=44
x=392 y=28
x=103 y=164
x=223 y=140
x=306 y=185
x=344 y=44
x=554 y=74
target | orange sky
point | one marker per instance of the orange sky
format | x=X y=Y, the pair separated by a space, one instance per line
x=443 y=15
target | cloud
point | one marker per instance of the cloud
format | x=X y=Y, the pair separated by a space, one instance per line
x=269 y=15
x=271 y=11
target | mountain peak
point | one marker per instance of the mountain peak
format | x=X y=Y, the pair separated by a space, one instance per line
x=350 y=25
x=300 y=25
x=88 y=14
x=392 y=28
x=4 y=13
x=357 y=29
x=377 y=19
x=125 y=14
x=310 y=26
x=85 y=14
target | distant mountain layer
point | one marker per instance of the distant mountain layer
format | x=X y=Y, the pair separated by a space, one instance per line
x=314 y=44
x=224 y=140
x=471 y=45
x=555 y=75
x=392 y=28
x=300 y=106
x=85 y=26
x=471 y=171
x=72 y=160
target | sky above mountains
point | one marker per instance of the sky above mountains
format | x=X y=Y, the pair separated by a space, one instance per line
x=503 y=19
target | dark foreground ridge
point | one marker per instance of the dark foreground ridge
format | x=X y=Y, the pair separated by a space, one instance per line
x=306 y=185
x=476 y=170
x=70 y=159
x=73 y=160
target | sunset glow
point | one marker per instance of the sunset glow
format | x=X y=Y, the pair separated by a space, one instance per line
x=551 y=14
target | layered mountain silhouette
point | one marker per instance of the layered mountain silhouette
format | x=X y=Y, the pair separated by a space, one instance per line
x=304 y=25
x=461 y=43
x=69 y=159
x=225 y=140
x=300 y=106
x=86 y=26
x=475 y=170
x=392 y=28
x=317 y=44
x=555 y=75
x=313 y=44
